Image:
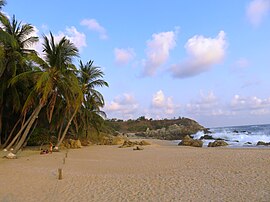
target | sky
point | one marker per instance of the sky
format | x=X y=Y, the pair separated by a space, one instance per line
x=206 y=60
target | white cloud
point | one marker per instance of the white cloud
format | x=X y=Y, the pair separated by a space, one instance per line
x=158 y=51
x=93 y=25
x=123 y=106
x=207 y=104
x=161 y=104
x=253 y=105
x=123 y=56
x=74 y=36
x=257 y=10
x=158 y=99
x=170 y=106
x=203 y=53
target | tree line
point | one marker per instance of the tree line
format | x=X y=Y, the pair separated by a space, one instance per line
x=48 y=90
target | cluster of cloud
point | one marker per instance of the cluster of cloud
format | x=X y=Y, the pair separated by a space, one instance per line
x=253 y=104
x=207 y=105
x=124 y=106
x=158 y=51
x=210 y=105
x=257 y=10
x=162 y=104
x=123 y=56
x=76 y=37
x=93 y=25
x=203 y=53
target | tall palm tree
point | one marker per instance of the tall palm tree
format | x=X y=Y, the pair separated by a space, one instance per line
x=90 y=114
x=56 y=79
x=15 y=40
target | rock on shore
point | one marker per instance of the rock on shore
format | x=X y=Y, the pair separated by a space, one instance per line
x=188 y=141
x=129 y=143
x=218 y=143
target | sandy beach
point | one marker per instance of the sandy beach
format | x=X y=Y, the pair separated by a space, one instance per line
x=160 y=172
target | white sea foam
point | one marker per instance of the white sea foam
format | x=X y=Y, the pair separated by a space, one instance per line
x=238 y=137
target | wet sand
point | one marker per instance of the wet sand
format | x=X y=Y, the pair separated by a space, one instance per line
x=160 y=172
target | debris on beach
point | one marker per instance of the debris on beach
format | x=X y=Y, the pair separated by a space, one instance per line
x=138 y=148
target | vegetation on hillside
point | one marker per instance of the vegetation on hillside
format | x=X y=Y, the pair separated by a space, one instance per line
x=142 y=124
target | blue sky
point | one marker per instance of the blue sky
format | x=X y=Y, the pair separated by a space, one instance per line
x=207 y=60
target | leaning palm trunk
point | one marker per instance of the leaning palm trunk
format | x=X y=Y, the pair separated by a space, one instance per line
x=60 y=131
x=67 y=126
x=32 y=120
x=11 y=133
x=20 y=131
x=1 y=111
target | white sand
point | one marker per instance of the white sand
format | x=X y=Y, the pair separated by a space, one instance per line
x=161 y=172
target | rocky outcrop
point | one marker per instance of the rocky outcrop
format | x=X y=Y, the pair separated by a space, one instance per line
x=263 y=143
x=85 y=142
x=174 y=132
x=113 y=140
x=188 y=141
x=218 y=143
x=71 y=144
x=207 y=137
x=129 y=143
x=143 y=142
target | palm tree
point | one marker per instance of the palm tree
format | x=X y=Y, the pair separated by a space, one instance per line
x=56 y=79
x=90 y=114
x=14 y=42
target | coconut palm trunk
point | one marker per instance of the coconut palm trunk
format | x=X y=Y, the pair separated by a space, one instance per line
x=1 y=134
x=67 y=127
x=32 y=120
x=7 y=143
x=24 y=125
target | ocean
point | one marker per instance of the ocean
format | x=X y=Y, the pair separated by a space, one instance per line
x=239 y=136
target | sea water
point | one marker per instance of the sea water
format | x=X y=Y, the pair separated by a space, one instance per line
x=239 y=136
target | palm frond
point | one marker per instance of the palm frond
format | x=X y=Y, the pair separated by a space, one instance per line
x=2 y=3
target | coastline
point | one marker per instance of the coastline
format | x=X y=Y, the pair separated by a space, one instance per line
x=161 y=172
